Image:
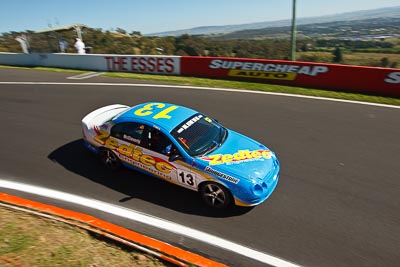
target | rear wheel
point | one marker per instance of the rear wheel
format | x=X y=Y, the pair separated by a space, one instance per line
x=109 y=159
x=215 y=195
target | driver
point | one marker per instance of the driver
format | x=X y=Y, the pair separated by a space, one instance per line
x=159 y=142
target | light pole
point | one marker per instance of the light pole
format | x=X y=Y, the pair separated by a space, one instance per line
x=293 y=35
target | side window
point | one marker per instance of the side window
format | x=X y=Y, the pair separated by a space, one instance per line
x=158 y=142
x=130 y=132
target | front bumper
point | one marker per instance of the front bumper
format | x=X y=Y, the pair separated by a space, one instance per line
x=261 y=190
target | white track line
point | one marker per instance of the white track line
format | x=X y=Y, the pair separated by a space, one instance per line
x=86 y=75
x=149 y=220
x=207 y=88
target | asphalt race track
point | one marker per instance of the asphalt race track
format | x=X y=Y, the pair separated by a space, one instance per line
x=337 y=202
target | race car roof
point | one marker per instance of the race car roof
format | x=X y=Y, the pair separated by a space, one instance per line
x=164 y=115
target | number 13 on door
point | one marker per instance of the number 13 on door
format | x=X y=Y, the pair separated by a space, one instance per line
x=187 y=178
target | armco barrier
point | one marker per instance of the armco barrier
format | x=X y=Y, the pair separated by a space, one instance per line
x=379 y=81
x=165 y=65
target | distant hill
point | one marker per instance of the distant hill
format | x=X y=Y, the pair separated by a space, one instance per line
x=393 y=12
x=365 y=29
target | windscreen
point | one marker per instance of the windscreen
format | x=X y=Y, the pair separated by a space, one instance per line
x=199 y=135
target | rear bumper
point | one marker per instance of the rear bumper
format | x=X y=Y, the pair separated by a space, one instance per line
x=90 y=147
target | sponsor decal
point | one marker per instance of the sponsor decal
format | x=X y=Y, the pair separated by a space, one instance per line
x=134 y=155
x=130 y=138
x=268 y=67
x=101 y=135
x=222 y=175
x=393 y=77
x=189 y=123
x=238 y=157
x=150 y=164
x=263 y=75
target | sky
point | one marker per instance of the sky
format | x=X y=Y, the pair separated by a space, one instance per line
x=152 y=16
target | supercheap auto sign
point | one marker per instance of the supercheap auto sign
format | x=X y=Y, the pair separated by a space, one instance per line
x=250 y=68
x=306 y=74
x=268 y=71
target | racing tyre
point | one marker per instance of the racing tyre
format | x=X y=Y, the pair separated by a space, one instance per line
x=215 y=195
x=109 y=159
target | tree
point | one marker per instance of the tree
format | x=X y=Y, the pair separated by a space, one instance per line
x=384 y=62
x=119 y=30
x=337 y=55
x=136 y=34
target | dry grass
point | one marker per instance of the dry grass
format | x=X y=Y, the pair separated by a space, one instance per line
x=370 y=59
x=30 y=240
x=360 y=59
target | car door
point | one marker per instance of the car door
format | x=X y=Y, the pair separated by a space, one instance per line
x=127 y=139
x=160 y=148
x=143 y=147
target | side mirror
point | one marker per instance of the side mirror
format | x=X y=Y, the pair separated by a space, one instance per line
x=175 y=157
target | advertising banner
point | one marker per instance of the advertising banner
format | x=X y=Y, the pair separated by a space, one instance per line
x=381 y=81
x=164 y=65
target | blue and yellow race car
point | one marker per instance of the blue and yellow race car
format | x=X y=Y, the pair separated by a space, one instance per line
x=186 y=148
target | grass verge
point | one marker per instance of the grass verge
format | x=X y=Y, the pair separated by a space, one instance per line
x=252 y=86
x=213 y=83
x=31 y=240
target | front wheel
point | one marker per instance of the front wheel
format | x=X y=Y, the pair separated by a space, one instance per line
x=215 y=195
x=109 y=159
